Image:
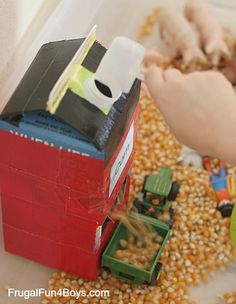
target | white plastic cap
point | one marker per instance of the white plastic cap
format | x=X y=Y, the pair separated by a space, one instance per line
x=99 y=99
x=117 y=71
x=121 y=62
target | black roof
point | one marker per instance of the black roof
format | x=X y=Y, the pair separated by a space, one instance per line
x=33 y=91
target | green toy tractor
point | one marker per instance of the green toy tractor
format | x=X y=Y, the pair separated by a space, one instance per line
x=157 y=194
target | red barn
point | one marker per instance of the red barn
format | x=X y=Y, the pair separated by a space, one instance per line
x=61 y=174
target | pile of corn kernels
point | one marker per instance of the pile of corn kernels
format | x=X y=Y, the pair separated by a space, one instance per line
x=139 y=251
x=230 y=297
x=199 y=244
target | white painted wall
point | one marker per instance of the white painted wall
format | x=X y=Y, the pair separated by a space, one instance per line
x=55 y=20
x=15 y=17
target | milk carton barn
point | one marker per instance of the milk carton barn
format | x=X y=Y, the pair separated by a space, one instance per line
x=62 y=173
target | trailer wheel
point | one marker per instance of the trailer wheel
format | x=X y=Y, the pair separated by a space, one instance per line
x=144 y=182
x=173 y=191
x=156 y=274
x=171 y=221
x=106 y=268
x=138 y=206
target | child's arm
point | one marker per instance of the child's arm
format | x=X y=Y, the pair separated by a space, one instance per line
x=200 y=109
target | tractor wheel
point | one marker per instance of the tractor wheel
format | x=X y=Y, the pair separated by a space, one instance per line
x=155 y=275
x=138 y=206
x=173 y=191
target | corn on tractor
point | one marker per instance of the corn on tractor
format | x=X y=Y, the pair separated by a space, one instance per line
x=157 y=194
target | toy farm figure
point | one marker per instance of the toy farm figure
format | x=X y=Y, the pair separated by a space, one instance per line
x=219 y=184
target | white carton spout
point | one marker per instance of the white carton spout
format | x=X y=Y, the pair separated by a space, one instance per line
x=117 y=71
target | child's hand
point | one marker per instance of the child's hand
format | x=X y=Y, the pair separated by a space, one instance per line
x=200 y=109
x=230 y=71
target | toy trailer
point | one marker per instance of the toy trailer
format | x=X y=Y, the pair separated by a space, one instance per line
x=157 y=193
x=62 y=169
x=129 y=272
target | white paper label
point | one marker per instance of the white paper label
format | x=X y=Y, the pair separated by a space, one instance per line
x=122 y=159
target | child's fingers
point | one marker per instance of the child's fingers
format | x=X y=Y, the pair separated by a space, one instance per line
x=171 y=74
x=154 y=79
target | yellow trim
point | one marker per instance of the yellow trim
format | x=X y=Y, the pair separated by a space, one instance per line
x=62 y=84
x=231 y=185
x=233 y=227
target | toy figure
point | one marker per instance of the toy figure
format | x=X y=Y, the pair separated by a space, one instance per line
x=219 y=184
